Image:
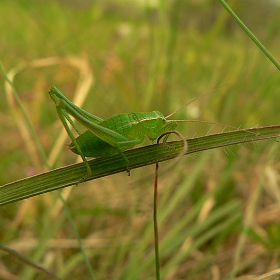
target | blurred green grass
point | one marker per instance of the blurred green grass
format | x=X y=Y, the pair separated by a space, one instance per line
x=147 y=58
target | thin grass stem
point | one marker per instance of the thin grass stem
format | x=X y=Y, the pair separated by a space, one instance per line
x=250 y=34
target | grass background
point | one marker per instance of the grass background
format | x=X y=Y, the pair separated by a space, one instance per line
x=218 y=211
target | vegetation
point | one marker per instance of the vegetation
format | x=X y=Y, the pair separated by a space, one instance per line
x=218 y=210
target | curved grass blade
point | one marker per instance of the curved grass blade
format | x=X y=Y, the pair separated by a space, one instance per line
x=73 y=174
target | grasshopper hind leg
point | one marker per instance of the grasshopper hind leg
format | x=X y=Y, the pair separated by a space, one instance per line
x=74 y=141
x=126 y=160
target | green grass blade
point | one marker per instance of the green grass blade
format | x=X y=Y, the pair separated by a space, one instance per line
x=250 y=34
x=73 y=174
x=25 y=260
x=45 y=160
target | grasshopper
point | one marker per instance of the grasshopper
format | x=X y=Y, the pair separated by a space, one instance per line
x=114 y=135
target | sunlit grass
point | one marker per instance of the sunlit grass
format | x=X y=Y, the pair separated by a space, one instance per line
x=206 y=203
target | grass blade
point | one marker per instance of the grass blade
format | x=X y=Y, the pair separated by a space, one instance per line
x=73 y=174
x=250 y=34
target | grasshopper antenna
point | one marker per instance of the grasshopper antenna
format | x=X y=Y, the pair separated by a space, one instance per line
x=208 y=122
x=167 y=117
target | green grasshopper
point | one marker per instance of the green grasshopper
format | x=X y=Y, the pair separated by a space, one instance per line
x=112 y=136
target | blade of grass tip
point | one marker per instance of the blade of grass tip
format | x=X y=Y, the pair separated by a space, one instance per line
x=156 y=224
x=45 y=160
x=250 y=34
